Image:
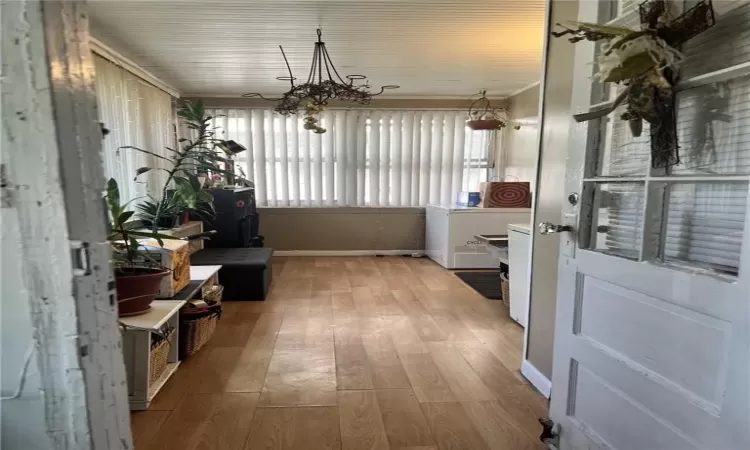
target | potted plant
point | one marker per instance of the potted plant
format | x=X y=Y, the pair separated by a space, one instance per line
x=482 y=116
x=137 y=276
x=193 y=200
x=169 y=216
x=182 y=192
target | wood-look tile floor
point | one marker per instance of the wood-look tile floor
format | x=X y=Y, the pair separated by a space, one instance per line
x=352 y=353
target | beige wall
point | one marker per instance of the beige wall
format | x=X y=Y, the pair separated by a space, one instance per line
x=555 y=125
x=521 y=147
x=343 y=228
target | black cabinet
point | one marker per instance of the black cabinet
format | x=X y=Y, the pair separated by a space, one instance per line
x=236 y=221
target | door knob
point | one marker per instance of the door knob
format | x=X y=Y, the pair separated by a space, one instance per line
x=551 y=228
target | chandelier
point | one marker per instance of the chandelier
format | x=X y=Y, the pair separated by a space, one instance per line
x=323 y=84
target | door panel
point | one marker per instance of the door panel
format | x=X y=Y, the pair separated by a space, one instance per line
x=652 y=331
x=658 y=357
x=636 y=428
x=627 y=323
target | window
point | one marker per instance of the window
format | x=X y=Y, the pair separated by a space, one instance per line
x=136 y=114
x=692 y=214
x=366 y=157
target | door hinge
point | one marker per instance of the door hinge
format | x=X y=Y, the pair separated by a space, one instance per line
x=80 y=256
x=550 y=433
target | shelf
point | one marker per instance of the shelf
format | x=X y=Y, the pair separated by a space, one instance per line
x=158 y=384
x=198 y=277
x=203 y=272
x=161 y=311
x=492 y=238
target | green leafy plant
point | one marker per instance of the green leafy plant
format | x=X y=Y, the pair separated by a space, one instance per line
x=149 y=208
x=192 y=156
x=193 y=198
x=124 y=232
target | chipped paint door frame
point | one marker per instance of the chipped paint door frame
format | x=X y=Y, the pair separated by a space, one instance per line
x=54 y=181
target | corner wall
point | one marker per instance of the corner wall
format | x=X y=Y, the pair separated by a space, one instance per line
x=521 y=147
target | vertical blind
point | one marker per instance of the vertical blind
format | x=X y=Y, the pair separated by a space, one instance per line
x=703 y=221
x=366 y=157
x=136 y=114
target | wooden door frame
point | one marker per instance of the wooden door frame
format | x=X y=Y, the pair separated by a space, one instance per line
x=54 y=181
x=535 y=377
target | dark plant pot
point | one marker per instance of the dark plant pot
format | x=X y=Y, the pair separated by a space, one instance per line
x=165 y=223
x=136 y=289
x=485 y=124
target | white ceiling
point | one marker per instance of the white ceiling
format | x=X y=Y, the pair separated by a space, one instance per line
x=431 y=48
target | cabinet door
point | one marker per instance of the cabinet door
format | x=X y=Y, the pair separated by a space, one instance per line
x=518 y=259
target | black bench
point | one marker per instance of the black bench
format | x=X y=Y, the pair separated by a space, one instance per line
x=245 y=273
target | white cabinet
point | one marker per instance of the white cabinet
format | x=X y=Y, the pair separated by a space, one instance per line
x=519 y=252
x=450 y=234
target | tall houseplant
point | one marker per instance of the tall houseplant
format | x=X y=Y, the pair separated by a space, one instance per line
x=191 y=158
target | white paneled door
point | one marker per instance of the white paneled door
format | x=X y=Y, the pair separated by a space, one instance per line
x=652 y=334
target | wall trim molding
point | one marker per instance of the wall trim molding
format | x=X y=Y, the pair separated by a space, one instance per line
x=536 y=378
x=345 y=252
x=118 y=59
x=523 y=89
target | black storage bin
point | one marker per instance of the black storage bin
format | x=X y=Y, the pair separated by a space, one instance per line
x=245 y=273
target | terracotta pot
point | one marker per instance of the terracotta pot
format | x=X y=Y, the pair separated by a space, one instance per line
x=485 y=124
x=137 y=289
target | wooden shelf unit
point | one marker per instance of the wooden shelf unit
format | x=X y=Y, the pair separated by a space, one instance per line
x=136 y=338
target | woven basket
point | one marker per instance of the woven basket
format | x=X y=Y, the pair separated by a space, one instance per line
x=198 y=325
x=505 y=289
x=158 y=356
x=194 y=333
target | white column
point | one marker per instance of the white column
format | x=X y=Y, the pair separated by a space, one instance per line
x=459 y=143
x=283 y=155
x=341 y=149
x=350 y=170
x=294 y=180
x=258 y=125
x=385 y=160
x=374 y=156
x=436 y=162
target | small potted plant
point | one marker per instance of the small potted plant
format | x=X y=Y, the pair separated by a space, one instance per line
x=169 y=216
x=193 y=200
x=137 y=276
x=482 y=116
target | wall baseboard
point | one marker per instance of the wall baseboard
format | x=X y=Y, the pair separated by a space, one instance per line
x=345 y=252
x=536 y=378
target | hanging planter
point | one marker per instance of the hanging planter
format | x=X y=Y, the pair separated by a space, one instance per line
x=646 y=62
x=482 y=116
x=485 y=124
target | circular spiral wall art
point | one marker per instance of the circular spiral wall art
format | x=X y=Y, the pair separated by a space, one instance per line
x=509 y=195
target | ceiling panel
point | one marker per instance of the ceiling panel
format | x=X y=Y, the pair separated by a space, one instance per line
x=433 y=48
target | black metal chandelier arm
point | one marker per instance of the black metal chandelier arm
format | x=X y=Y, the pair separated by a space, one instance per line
x=311 y=75
x=258 y=95
x=328 y=69
x=328 y=58
x=385 y=88
x=288 y=68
